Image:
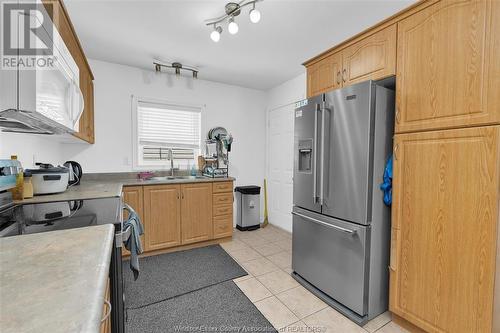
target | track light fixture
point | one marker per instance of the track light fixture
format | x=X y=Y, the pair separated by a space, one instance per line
x=177 y=66
x=215 y=35
x=232 y=9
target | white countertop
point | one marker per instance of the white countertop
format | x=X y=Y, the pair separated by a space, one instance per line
x=54 y=281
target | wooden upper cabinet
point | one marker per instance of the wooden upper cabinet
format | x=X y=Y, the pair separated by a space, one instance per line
x=371 y=58
x=445 y=214
x=324 y=75
x=162 y=213
x=196 y=212
x=65 y=28
x=448 y=67
x=133 y=196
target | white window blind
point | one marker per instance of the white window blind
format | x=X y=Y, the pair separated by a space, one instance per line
x=170 y=126
x=163 y=128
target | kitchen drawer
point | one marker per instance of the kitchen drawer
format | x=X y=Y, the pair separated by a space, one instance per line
x=223 y=226
x=222 y=199
x=223 y=210
x=221 y=187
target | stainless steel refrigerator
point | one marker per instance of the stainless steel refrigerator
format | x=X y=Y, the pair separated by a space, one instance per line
x=341 y=227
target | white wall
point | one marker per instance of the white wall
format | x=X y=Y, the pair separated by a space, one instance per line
x=30 y=148
x=288 y=92
x=241 y=111
x=279 y=149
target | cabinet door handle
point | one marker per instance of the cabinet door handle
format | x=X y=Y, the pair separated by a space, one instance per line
x=344 y=72
x=398 y=115
x=338 y=77
x=177 y=194
x=108 y=306
x=396 y=149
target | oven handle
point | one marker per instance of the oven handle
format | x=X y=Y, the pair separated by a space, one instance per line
x=331 y=226
x=124 y=235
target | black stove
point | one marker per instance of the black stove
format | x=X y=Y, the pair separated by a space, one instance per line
x=51 y=216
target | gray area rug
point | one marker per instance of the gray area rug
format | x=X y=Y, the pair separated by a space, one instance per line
x=172 y=274
x=218 y=308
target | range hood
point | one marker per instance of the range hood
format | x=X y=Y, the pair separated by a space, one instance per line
x=16 y=121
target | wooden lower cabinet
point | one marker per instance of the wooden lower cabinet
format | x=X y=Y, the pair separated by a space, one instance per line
x=196 y=216
x=223 y=226
x=181 y=214
x=162 y=216
x=444 y=235
x=132 y=195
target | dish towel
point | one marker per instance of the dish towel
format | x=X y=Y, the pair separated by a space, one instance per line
x=133 y=243
x=386 y=186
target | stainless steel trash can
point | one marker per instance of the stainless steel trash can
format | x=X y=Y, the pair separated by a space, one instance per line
x=247 y=207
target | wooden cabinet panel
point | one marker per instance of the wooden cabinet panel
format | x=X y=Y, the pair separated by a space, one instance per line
x=313 y=87
x=445 y=213
x=86 y=125
x=196 y=212
x=325 y=75
x=219 y=210
x=447 y=66
x=221 y=187
x=371 y=58
x=223 y=226
x=162 y=216
x=132 y=195
x=223 y=199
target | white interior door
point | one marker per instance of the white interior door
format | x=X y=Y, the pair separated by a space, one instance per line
x=280 y=166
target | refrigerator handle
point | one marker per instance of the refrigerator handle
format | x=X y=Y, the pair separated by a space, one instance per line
x=331 y=226
x=315 y=147
x=322 y=158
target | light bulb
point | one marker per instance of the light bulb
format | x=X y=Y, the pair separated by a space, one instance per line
x=215 y=35
x=254 y=15
x=232 y=27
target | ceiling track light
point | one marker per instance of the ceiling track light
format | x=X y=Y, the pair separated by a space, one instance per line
x=177 y=66
x=232 y=9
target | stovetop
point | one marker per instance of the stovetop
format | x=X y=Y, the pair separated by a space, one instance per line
x=43 y=217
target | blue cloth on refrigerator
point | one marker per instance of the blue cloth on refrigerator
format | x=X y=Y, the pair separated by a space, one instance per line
x=386 y=186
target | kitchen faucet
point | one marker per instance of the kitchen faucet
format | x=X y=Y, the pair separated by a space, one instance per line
x=170 y=151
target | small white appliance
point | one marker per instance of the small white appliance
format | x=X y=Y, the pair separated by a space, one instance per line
x=49 y=179
x=43 y=100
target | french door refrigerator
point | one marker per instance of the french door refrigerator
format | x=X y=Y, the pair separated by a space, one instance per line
x=341 y=227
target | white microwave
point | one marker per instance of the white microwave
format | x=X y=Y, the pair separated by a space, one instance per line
x=45 y=100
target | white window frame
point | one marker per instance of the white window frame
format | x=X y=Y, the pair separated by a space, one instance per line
x=135 y=129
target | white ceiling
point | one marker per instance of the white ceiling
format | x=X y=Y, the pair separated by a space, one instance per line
x=260 y=56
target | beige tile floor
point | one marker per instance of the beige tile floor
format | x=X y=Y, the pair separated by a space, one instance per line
x=266 y=255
